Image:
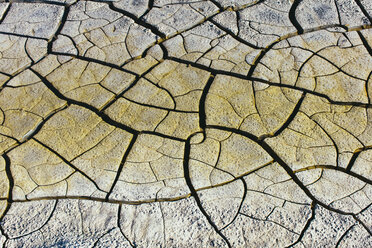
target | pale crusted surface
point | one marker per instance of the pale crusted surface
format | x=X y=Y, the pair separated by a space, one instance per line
x=170 y=123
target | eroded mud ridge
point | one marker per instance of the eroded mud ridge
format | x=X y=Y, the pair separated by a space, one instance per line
x=167 y=123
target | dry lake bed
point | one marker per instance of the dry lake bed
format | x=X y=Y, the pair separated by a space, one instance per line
x=175 y=123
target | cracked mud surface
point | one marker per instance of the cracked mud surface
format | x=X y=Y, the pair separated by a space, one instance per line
x=167 y=123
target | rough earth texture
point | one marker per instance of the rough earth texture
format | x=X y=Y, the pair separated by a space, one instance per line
x=167 y=123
